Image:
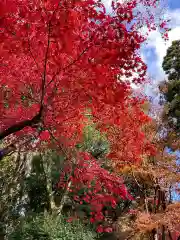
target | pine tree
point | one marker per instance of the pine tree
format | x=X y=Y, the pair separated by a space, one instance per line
x=171 y=66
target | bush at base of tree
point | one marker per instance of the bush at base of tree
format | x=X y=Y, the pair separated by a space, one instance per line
x=50 y=228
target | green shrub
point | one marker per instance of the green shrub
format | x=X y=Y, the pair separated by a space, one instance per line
x=50 y=228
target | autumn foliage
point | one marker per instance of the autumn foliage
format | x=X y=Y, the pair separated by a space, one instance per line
x=60 y=58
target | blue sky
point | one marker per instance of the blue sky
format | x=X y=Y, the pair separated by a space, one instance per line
x=174 y=4
x=155 y=49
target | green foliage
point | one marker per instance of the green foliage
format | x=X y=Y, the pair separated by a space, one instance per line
x=171 y=62
x=50 y=227
x=94 y=142
x=10 y=191
x=56 y=166
x=171 y=66
x=36 y=186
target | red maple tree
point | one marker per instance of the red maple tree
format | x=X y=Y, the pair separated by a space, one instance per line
x=60 y=58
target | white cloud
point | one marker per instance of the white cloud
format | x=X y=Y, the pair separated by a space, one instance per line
x=107 y=4
x=175 y=17
x=160 y=47
x=154 y=52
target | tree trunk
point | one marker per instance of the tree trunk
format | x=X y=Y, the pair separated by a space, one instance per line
x=47 y=167
x=19 y=126
x=64 y=197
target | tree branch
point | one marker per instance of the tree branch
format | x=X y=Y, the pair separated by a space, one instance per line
x=37 y=118
x=19 y=126
x=43 y=84
x=68 y=65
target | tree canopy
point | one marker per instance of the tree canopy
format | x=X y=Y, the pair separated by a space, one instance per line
x=171 y=66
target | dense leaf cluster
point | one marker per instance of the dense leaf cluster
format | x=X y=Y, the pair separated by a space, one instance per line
x=171 y=66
